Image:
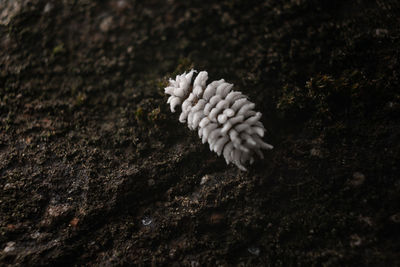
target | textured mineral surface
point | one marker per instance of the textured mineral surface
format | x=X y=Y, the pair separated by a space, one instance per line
x=95 y=170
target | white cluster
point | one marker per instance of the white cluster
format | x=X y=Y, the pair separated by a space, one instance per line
x=224 y=118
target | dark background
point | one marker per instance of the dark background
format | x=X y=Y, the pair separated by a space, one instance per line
x=95 y=169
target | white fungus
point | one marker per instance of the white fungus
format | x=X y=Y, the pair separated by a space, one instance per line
x=225 y=119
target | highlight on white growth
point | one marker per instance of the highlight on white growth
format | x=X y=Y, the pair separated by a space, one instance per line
x=224 y=118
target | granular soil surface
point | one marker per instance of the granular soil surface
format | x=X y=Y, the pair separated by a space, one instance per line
x=96 y=170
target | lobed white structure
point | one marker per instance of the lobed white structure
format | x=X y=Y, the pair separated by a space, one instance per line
x=224 y=118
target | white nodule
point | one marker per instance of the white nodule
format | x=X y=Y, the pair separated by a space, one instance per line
x=224 y=118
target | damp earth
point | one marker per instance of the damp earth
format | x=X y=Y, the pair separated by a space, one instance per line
x=95 y=169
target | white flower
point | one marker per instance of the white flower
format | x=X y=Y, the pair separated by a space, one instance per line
x=224 y=118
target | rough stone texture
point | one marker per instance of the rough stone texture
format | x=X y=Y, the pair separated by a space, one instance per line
x=95 y=170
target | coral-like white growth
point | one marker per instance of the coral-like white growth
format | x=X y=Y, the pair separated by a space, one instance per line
x=224 y=118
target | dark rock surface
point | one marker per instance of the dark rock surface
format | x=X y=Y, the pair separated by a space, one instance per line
x=95 y=170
